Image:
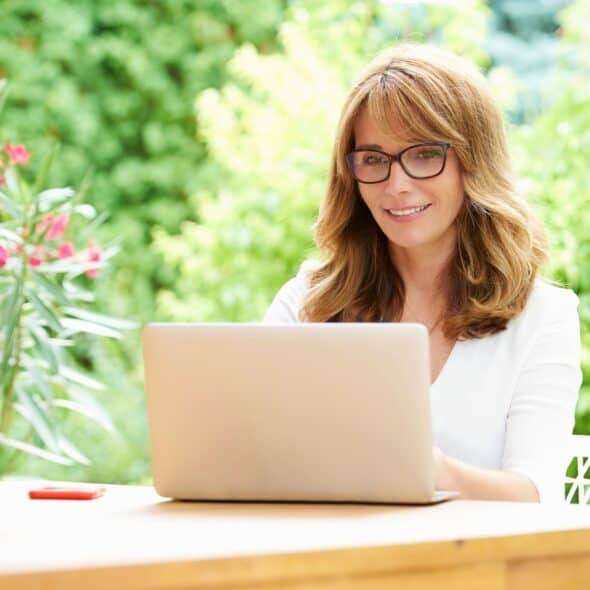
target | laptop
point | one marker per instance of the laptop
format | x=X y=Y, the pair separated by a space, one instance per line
x=326 y=412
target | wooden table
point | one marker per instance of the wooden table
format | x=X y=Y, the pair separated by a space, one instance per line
x=131 y=538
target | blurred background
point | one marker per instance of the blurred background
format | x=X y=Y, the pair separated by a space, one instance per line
x=207 y=126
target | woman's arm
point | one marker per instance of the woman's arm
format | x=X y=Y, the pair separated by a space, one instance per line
x=541 y=415
x=475 y=483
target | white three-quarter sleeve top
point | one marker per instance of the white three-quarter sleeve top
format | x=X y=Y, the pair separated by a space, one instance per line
x=505 y=401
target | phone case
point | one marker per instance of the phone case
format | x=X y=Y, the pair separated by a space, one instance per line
x=66 y=493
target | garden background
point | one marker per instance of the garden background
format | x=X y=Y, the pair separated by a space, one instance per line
x=206 y=128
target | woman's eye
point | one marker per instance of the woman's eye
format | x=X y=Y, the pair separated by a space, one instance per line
x=428 y=154
x=373 y=161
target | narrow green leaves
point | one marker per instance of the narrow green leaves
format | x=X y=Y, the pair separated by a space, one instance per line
x=34 y=450
x=45 y=311
x=97 y=318
x=51 y=288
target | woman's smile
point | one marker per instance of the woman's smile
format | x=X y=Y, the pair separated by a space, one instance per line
x=408 y=213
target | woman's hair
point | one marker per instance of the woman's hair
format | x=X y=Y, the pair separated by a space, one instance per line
x=436 y=96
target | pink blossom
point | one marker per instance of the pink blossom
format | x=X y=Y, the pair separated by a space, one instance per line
x=35 y=261
x=17 y=153
x=47 y=220
x=38 y=257
x=58 y=227
x=65 y=250
x=2 y=181
x=94 y=255
x=3 y=256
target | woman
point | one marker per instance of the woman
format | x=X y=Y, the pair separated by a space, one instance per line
x=421 y=222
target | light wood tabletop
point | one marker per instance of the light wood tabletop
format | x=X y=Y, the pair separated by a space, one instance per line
x=131 y=538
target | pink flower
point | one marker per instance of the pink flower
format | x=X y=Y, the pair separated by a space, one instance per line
x=47 y=220
x=94 y=255
x=65 y=250
x=2 y=181
x=58 y=227
x=17 y=153
x=38 y=257
x=3 y=256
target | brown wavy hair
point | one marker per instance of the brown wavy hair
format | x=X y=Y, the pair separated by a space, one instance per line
x=500 y=244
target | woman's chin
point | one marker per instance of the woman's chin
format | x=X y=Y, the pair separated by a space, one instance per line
x=418 y=239
x=409 y=242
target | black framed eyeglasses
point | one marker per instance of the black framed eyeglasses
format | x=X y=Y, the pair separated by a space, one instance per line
x=424 y=160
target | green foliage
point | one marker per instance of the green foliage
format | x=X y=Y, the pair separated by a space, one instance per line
x=552 y=156
x=523 y=37
x=44 y=310
x=114 y=81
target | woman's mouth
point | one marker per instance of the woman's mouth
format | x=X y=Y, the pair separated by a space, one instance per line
x=407 y=213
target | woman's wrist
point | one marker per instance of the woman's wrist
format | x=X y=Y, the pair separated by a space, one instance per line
x=443 y=472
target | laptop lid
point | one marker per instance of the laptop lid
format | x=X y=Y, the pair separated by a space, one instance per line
x=331 y=412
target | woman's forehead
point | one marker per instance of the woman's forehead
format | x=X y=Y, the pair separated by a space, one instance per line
x=382 y=131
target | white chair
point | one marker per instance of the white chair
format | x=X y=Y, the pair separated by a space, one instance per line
x=580 y=451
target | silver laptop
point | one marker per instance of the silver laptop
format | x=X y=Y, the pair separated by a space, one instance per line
x=330 y=412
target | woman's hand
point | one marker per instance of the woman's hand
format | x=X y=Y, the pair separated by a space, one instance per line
x=442 y=479
x=476 y=483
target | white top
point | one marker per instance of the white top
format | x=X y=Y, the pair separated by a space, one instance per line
x=505 y=401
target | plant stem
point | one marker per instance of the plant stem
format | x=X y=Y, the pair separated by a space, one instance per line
x=7 y=409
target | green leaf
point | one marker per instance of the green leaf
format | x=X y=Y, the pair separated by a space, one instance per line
x=89 y=409
x=52 y=288
x=23 y=187
x=8 y=345
x=33 y=450
x=52 y=197
x=5 y=286
x=35 y=414
x=68 y=448
x=10 y=235
x=75 y=326
x=88 y=232
x=109 y=252
x=3 y=93
x=77 y=293
x=86 y=210
x=44 y=346
x=44 y=172
x=75 y=377
x=62 y=342
x=84 y=186
x=7 y=370
x=98 y=318
x=13 y=209
x=72 y=268
x=37 y=376
x=10 y=319
x=44 y=311
x=12 y=308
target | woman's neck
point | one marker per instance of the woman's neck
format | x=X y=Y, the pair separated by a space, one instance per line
x=424 y=272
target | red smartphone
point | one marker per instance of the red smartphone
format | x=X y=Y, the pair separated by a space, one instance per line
x=67 y=493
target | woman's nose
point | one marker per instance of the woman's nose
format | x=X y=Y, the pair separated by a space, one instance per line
x=398 y=181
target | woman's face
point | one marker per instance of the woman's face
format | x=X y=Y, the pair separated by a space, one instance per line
x=431 y=229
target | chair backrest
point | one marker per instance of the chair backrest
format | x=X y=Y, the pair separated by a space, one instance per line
x=577 y=483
